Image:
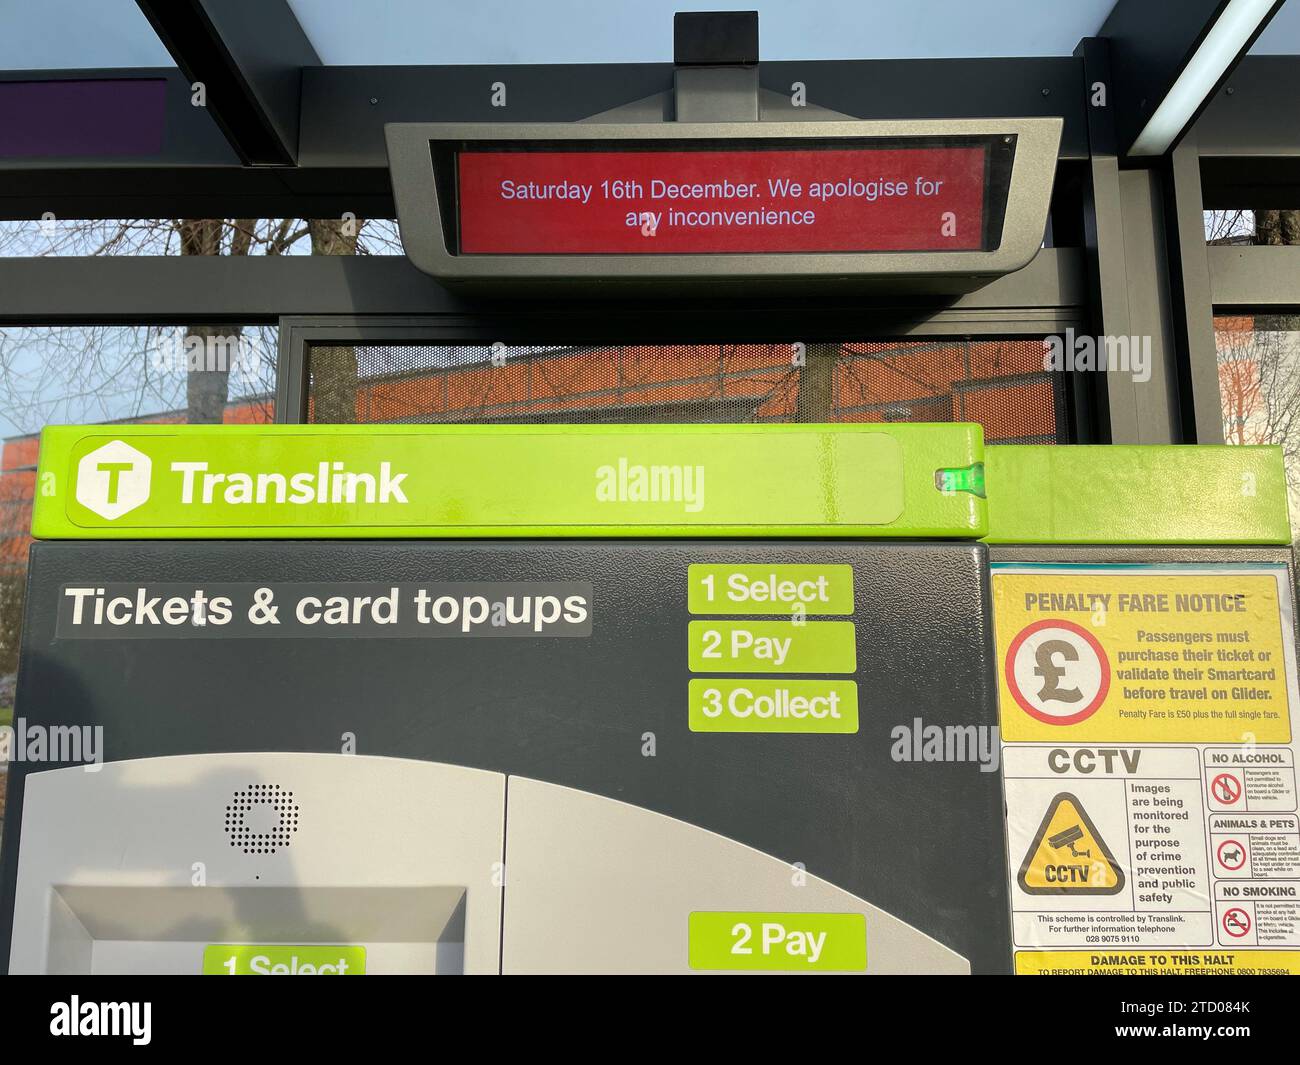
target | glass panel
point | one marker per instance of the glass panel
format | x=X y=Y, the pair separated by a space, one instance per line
x=1244 y=226
x=1282 y=35
x=89 y=374
x=77 y=35
x=999 y=383
x=641 y=31
x=1259 y=387
x=210 y=236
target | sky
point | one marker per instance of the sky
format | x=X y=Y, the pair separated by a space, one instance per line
x=50 y=34
x=47 y=34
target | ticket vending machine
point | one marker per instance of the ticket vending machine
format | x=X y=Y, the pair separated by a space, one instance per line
x=861 y=698
x=506 y=699
x=359 y=701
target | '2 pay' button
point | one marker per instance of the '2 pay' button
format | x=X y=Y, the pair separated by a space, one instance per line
x=772 y=647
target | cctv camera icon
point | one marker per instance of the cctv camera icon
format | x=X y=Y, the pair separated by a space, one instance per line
x=1069 y=838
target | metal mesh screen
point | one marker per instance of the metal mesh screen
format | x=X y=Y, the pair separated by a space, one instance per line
x=998 y=383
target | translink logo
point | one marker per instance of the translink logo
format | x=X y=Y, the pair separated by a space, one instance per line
x=330 y=482
x=115 y=479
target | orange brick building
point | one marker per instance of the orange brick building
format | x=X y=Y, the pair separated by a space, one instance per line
x=1000 y=384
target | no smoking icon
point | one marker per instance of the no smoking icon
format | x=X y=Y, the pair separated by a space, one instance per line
x=1225 y=789
x=1236 y=922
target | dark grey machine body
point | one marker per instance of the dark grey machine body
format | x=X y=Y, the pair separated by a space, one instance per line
x=923 y=841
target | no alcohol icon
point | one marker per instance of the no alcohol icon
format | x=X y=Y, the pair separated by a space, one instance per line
x=1225 y=789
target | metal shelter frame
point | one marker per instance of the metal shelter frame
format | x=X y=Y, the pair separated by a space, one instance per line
x=283 y=135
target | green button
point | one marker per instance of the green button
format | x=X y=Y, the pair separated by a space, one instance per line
x=250 y=959
x=727 y=589
x=731 y=704
x=772 y=647
x=780 y=942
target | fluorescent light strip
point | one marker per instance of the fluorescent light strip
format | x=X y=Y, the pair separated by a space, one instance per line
x=1222 y=45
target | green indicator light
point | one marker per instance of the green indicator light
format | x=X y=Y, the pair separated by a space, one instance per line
x=961 y=479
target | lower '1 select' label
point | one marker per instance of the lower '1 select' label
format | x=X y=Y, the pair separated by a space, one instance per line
x=728 y=704
x=778 y=942
x=245 y=959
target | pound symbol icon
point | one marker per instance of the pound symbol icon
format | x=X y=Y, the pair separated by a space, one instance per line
x=1045 y=666
x=1057 y=672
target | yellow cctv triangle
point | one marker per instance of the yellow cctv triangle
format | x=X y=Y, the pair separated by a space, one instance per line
x=1068 y=855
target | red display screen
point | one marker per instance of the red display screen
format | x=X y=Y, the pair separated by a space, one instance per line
x=701 y=202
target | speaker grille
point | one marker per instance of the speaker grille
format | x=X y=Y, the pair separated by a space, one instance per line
x=261 y=819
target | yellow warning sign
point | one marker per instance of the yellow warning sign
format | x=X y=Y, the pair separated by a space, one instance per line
x=1068 y=855
x=1141 y=656
x=1158 y=963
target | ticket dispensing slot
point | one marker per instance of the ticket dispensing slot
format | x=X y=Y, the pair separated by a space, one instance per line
x=241 y=863
x=596 y=885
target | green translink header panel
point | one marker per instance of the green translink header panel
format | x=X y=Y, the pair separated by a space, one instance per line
x=416 y=481
x=1122 y=494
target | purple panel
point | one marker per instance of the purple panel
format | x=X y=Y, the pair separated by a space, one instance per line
x=82 y=118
